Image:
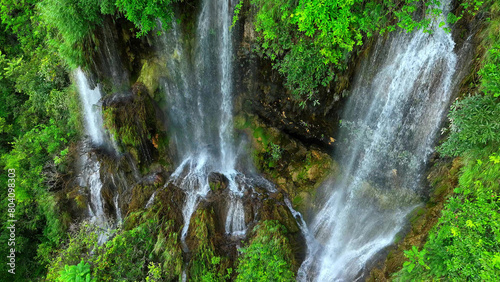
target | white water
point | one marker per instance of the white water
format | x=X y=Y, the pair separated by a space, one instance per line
x=91 y=109
x=90 y=177
x=90 y=166
x=389 y=126
x=199 y=95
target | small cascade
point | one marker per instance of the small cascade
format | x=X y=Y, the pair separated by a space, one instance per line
x=116 y=202
x=90 y=101
x=90 y=167
x=235 y=221
x=192 y=177
x=150 y=201
x=389 y=126
x=90 y=176
x=312 y=245
x=199 y=91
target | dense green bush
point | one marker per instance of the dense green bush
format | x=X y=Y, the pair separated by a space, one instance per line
x=144 y=14
x=474 y=124
x=72 y=22
x=268 y=257
x=127 y=255
x=76 y=273
x=311 y=41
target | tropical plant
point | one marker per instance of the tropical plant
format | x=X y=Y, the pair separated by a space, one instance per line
x=76 y=273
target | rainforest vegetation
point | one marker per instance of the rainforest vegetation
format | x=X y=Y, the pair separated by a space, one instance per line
x=310 y=44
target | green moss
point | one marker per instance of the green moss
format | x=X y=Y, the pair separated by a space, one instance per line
x=285 y=161
x=150 y=77
x=206 y=265
x=168 y=250
x=297 y=200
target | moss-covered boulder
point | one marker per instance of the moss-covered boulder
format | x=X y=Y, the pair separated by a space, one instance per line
x=294 y=167
x=208 y=261
x=137 y=125
x=150 y=74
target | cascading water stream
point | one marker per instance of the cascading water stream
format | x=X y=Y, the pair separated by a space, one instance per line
x=199 y=91
x=90 y=177
x=390 y=122
x=92 y=112
x=90 y=173
x=90 y=167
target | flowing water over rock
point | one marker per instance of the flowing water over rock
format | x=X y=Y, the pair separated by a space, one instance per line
x=390 y=123
x=90 y=176
x=89 y=165
x=199 y=95
x=92 y=110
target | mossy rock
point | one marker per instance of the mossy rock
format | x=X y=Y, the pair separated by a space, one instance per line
x=137 y=124
x=150 y=74
x=140 y=196
x=217 y=181
x=298 y=169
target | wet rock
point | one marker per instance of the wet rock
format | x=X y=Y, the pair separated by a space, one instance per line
x=170 y=202
x=217 y=181
x=134 y=122
x=140 y=196
x=150 y=76
x=294 y=167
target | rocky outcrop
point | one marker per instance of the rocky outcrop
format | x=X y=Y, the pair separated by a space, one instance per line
x=262 y=92
x=137 y=125
x=207 y=225
x=295 y=168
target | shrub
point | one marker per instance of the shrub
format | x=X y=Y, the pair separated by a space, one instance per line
x=268 y=257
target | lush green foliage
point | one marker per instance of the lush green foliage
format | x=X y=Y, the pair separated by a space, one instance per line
x=79 y=247
x=465 y=244
x=72 y=22
x=143 y=252
x=474 y=124
x=38 y=120
x=127 y=255
x=311 y=41
x=268 y=257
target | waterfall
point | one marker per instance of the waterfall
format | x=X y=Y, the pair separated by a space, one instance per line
x=89 y=165
x=90 y=177
x=90 y=168
x=389 y=126
x=92 y=111
x=199 y=95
